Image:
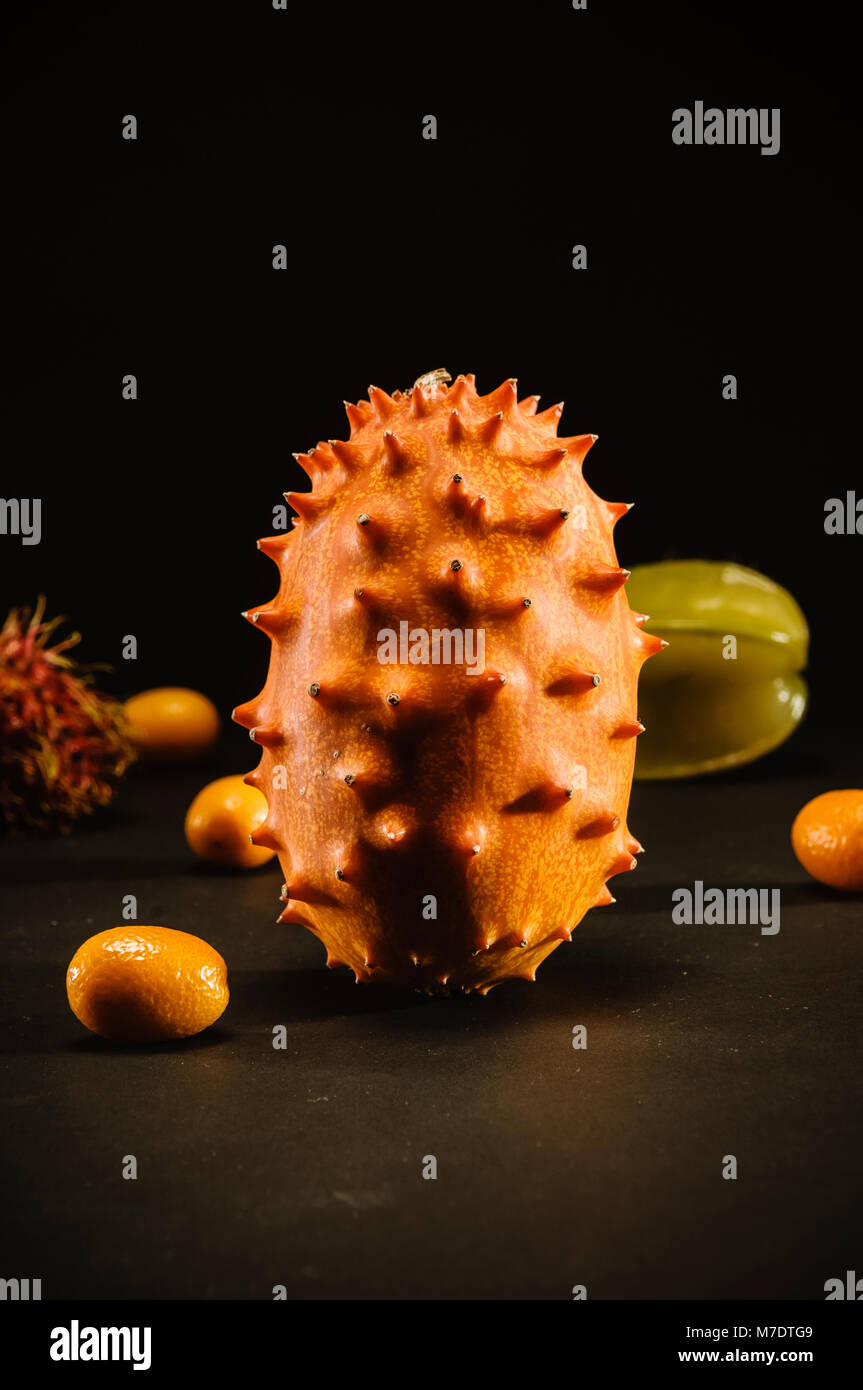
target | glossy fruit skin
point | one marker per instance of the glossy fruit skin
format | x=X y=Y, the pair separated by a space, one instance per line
x=704 y=712
x=172 y=724
x=827 y=837
x=143 y=984
x=696 y=727
x=497 y=802
x=221 y=820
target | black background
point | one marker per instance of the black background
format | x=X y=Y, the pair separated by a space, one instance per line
x=304 y=128
x=256 y=128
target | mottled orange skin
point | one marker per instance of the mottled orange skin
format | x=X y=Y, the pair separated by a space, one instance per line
x=221 y=821
x=172 y=724
x=827 y=836
x=142 y=984
x=460 y=790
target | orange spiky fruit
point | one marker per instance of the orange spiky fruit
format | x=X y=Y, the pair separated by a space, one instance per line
x=438 y=825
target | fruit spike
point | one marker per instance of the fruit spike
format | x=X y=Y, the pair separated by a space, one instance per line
x=577 y=448
x=356 y=415
x=396 y=453
x=273 y=621
x=246 y=715
x=551 y=417
x=504 y=399
x=484 y=786
x=382 y=404
x=487 y=687
x=605 y=579
x=266 y=738
x=602 y=824
x=265 y=837
x=652 y=644
x=574 y=681
x=603 y=898
x=630 y=728
x=274 y=546
x=543 y=521
x=308 y=505
x=348 y=455
x=491 y=428
x=552 y=458
x=455 y=428
x=618 y=509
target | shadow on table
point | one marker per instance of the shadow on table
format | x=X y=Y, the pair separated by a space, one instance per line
x=216 y=1036
x=596 y=986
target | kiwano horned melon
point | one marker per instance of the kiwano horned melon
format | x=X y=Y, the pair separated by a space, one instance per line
x=449 y=721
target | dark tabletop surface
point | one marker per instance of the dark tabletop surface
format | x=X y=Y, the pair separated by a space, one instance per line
x=556 y=1166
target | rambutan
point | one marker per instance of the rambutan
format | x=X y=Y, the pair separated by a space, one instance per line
x=63 y=746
